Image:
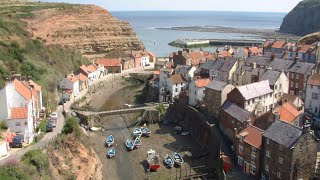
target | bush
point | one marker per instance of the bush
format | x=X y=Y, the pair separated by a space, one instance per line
x=12 y=171
x=38 y=160
x=71 y=126
x=3 y=125
x=42 y=126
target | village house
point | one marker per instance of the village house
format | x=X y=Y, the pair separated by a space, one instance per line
x=145 y=59
x=306 y=53
x=215 y=95
x=293 y=100
x=186 y=71
x=164 y=94
x=182 y=58
x=312 y=103
x=136 y=55
x=203 y=70
x=278 y=45
x=127 y=63
x=160 y=64
x=152 y=57
x=288 y=152
x=234 y=119
x=71 y=84
x=90 y=72
x=196 y=91
x=225 y=72
x=288 y=113
x=155 y=81
x=176 y=87
x=19 y=105
x=142 y=58
x=255 y=97
x=278 y=82
x=83 y=81
x=242 y=75
x=248 y=148
x=298 y=75
x=110 y=65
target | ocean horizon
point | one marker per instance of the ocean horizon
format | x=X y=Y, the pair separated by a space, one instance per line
x=145 y=24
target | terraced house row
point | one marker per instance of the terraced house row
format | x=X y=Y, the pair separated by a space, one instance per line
x=265 y=100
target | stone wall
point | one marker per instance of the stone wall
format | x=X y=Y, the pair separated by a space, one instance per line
x=204 y=133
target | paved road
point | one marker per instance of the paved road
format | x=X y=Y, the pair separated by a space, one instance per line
x=42 y=143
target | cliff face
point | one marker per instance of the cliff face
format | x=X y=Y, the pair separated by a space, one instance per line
x=90 y=29
x=303 y=19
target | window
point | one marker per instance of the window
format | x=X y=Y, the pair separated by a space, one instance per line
x=280 y=160
x=291 y=84
x=314 y=95
x=176 y=84
x=305 y=78
x=254 y=150
x=181 y=88
x=268 y=153
x=240 y=149
x=280 y=147
x=18 y=124
x=181 y=84
x=176 y=89
x=297 y=84
x=253 y=158
x=266 y=167
x=232 y=122
x=280 y=86
x=275 y=87
x=279 y=175
x=267 y=141
x=252 y=169
x=297 y=76
x=292 y=75
x=240 y=161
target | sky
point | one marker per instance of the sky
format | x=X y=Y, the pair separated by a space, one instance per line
x=185 y=5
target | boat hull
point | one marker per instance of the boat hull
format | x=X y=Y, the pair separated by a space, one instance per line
x=154 y=167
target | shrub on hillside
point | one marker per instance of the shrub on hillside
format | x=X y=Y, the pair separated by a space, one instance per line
x=71 y=126
x=42 y=126
x=3 y=124
x=37 y=159
x=13 y=171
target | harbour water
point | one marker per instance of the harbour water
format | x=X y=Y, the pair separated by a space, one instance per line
x=155 y=40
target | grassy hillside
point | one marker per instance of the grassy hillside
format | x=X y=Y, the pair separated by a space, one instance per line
x=22 y=54
x=310 y=38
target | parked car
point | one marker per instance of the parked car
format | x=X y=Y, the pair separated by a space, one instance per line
x=17 y=141
x=53 y=121
x=54 y=115
x=49 y=127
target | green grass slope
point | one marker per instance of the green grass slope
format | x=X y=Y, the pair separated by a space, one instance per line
x=21 y=54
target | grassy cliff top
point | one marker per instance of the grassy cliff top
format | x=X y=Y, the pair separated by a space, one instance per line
x=22 y=54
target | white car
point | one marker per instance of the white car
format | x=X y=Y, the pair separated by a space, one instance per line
x=54 y=115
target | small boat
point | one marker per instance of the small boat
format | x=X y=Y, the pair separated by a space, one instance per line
x=178 y=128
x=178 y=160
x=137 y=142
x=145 y=131
x=109 y=140
x=129 y=144
x=185 y=133
x=153 y=160
x=188 y=153
x=111 y=152
x=137 y=132
x=169 y=161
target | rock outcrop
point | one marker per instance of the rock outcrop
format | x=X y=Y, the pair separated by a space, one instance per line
x=90 y=29
x=303 y=19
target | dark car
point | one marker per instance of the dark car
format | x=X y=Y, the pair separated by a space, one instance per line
x=17 y=141
x=49 y=127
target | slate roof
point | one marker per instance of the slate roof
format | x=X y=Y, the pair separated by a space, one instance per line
x=242 y=69
x=302 y=68
x=253 y=90
x=182 y=68
x=235 y=111
x=252 y=135
x=258 y=71
x=271 y=75
x=314 y=80
x=283 y=133
x=227 y=65
x=259 y=60
x=216 y=85
x=281 y=64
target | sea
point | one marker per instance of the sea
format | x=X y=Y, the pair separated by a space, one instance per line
x=145 y=24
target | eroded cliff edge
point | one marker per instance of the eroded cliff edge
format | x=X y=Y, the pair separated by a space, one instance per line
x=89 y=29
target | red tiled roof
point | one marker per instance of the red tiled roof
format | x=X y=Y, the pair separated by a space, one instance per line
x=109 y=62
x=200 y=83
x=22 y=89
x=278 y=44
x=314 y=80
x=19 y=113
x=304 y=48
x=92 y=68
x=196 y=57
x=72 y=78
x=267 y=43
x=82 y=77
x=136 y=54
x=225 y=54
x=85 y=69
x=288 y=112
x=152 y=54
x=254 y=50
x=252 y=135
x=177 y=78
